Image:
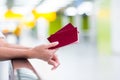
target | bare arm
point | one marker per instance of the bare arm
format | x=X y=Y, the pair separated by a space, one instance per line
x=11 y=51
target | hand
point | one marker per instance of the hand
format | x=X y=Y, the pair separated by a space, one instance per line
x=54 y=61
x=44 y=52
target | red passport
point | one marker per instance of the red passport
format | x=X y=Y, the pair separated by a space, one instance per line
x=65 y=36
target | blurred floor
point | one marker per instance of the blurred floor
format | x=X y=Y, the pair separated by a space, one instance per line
x=79 y=61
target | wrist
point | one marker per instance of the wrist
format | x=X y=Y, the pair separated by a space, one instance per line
x=29 y=54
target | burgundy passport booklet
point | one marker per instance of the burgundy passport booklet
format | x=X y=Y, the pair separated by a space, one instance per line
x=65 y=36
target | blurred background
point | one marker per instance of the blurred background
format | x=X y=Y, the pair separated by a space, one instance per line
x=97 y=54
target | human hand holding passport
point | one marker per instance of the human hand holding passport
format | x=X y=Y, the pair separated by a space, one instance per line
x=65 y=36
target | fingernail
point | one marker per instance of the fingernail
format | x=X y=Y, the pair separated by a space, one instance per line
x=56 y=42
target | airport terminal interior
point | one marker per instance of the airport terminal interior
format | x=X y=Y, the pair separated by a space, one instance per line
x=96 y=54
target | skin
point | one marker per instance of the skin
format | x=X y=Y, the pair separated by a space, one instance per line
x=10 y=51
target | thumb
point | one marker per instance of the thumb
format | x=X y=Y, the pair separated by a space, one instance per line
x=53 y=44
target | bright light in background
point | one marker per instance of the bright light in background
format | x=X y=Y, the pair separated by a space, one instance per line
x=3 y=2
x=85 y=7
x=24 y=6
x=26 y=2
x=22 y=9
x=52 y=5
x=29 y=17
x=71 y=11
x=9 y=25
x=3 y=9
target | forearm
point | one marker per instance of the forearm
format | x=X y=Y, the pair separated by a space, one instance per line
x=11 y=53
x=16 y=46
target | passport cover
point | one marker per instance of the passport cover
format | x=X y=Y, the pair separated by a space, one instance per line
x=66 y=35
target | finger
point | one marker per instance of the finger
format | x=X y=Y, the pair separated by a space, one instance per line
x=52 y=63
x=55 y=65
x=53 y=44
x=55 y=58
